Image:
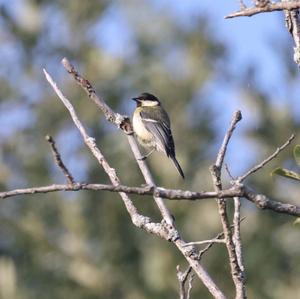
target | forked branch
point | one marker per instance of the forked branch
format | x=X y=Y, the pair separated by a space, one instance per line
x=276 y=6
x=166 y=229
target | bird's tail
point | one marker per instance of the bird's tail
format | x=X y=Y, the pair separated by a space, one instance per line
x=177 y=166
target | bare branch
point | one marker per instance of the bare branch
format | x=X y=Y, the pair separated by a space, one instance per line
x=237 y=116
x=208 y=246
x=237 y=238
x=229 y=173
x=168 y=232
x=262 y=202
x=110 y=115
x=293 y=25
x=182 y=279
x=123 y=123
x=242 y=5
x=216 y=177
x=58 y=160
x=218 y=236
x=267 y=160
x=137 y=219
x=76 y=187
x=291 y=12
x=248 y=12
x=190 y=286
x=215 y=240
x=147 y=190
x=188 y=252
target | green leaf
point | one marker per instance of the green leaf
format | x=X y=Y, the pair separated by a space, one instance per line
x=297 y=154
x=286 y=173
x=297 y=222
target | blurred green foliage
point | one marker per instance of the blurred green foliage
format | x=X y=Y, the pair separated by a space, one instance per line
x=288 y=173
x=292 y=175
x=83 y=245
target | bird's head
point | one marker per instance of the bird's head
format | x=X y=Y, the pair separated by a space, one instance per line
x=146 y=100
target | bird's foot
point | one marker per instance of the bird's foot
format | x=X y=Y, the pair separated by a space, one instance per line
x=143 y=158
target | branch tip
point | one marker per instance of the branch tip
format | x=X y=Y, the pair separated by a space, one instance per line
x=275 y=6
x=58 y=160
x=238 y=115
x=267 y=160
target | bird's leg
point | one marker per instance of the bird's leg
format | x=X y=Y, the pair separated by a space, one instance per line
x=147 y=155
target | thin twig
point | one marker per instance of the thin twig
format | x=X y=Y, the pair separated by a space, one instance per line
x=215 y=240
x=58 y=160
x=109 y=114
x=267 y=160
x=183 y=277
x=237 y=116
x=190 y=286
x=207 y=247
x=218 y=236
x=229 y=173
x=242 y=5
x=248 y=12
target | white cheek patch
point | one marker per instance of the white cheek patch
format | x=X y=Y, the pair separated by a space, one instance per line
x=149 y=103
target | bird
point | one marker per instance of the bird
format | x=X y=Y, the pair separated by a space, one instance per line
x=151 y=125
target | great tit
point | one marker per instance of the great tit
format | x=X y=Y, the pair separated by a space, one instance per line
x=151 y=125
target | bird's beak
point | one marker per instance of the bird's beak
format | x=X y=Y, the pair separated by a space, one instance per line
x=136 y=100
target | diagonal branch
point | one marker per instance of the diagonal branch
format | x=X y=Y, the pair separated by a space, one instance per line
x=209 y=245
x=188 y=252
x=267 y=160
x=109 y=114
x=248 y=12
x=237 y=116
x=139 y=220
x=167 y=232
x=58 y=160
x=122 y=122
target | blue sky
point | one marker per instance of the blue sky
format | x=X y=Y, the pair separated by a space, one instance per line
x=249 y=40
x=253 y=40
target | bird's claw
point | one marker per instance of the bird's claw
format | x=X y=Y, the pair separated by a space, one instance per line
x=143 y=158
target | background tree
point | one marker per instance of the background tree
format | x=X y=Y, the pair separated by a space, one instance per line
x=84 y=246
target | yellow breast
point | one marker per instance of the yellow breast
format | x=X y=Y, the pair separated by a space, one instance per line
x=139 y=127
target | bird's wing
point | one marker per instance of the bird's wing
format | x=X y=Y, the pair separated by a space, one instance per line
x=161 y=132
